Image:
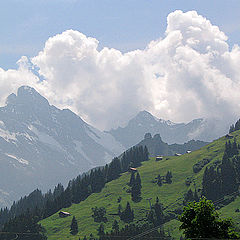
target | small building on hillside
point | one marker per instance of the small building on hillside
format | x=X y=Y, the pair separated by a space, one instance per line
x=132 y=169
x=64 y=214
x=229 y=136
x=177 y=154
x=159 y=158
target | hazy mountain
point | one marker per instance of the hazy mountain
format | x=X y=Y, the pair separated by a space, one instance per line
x=41 y=145
x=198 y=129
x=156 y=146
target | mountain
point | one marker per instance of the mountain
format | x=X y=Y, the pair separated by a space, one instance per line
x=41 y=145
x=198 y=129
x=156 y=146
x=171 y=195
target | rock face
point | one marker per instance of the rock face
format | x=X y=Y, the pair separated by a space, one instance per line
x=157 y=147
x=41 y=145
x=198 y=129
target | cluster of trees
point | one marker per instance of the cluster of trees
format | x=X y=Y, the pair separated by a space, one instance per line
x=130 y=230
x=156 y=215
x=99 y=214
x=224 y=179
x=78 y=189
x=190 y=196
x=136 y=185
x=167 y=178
x=127 y=215
x=200 y=220
x=23 y=227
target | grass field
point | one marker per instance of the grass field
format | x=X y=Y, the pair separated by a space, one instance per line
x=170 y=195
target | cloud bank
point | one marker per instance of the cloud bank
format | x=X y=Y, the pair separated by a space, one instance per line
x=189 y=73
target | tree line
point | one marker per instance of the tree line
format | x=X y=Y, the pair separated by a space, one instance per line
x=77 y=190
x=224 y=179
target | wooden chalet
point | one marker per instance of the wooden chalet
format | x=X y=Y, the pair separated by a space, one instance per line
x=229 y=136
x=132 y=169
x=64 y=214
x=177 y=154
x=159 y=158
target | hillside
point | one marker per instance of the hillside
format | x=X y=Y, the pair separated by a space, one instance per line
x=170 y=195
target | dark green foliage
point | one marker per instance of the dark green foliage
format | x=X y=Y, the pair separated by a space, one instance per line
x=78 y=189
x=132 y=179
x=115 y=227
x=159 y=180
x=127 y=215
x=24 y=223
x=188 y=197
x=169 y=177
x=223 y=180
x=99 y=214
x=155 y=215
x=74 y=226
x=101 y=230
x=114 y=169
x=136 y=189
x=133 y=230
x=119 y=209
x=199 y=166
x=200 y=220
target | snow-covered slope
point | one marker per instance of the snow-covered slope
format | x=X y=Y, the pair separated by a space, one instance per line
x=198 y=129
x=41 y=145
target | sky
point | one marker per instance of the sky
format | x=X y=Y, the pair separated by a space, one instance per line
x=108 y=59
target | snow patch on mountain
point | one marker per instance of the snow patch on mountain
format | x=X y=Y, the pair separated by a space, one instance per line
x=20 y=160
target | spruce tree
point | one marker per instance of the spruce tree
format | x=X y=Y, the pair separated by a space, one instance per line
x=138 y=180
x=169 y=177
x=159 y=180
x=132 y=179
x=101 y=230
x=115 y=226
x=74 y=226
x=127 y=215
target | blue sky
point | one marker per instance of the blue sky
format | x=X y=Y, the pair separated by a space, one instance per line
x=122 y=24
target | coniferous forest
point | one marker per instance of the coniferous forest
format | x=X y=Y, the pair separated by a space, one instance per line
x=37 y=206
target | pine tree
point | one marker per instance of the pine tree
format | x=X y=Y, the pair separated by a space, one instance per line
x=158 y=208
x=115 y=226
x=101 y=230
x=138 y=180
x=127 y=215
x=119 y=209
x=159 y=180
x=132 y=179
x=74 y=226
x=146 y=154
x=169 y=177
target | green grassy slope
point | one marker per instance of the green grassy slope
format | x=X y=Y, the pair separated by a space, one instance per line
x=170 y=195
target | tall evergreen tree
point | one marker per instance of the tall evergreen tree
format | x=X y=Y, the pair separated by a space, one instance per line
x=132 y=179
x=127 y=215
x=74 y=226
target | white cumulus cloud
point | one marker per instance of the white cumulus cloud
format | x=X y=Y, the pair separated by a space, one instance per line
x=190 y=72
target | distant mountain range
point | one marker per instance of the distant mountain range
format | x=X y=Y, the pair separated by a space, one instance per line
x=144 y=122
x=41 y=145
